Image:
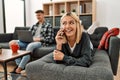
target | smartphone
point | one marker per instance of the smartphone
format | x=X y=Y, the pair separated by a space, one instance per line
x=64 y=36
x=62 y=31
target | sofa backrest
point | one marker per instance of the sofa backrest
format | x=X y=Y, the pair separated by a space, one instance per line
x=97 y=35
x=15 y=36
x=55 y=32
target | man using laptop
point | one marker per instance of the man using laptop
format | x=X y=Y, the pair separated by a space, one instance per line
x=42 y=34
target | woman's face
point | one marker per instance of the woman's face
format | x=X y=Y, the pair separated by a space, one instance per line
x=69 y=25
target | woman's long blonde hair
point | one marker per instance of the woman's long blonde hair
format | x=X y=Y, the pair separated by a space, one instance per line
x=79 y=26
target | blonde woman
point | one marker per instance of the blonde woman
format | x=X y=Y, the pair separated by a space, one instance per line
x=72 y=44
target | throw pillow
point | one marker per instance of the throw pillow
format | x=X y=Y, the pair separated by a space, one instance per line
x=91 y=29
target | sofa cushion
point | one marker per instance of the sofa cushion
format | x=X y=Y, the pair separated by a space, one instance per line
x=97 y=35
x=40 y=52
x=91 y=29
x=6 y=37
x=5 y=45
x=46 y=69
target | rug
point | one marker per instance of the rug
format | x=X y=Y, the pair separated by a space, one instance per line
x=11 y=76
x=15 y=76
x=1 y=75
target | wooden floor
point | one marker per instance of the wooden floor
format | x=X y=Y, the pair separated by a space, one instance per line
x=12 y=65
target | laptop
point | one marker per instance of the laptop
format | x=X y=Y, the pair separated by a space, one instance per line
x=25 y=35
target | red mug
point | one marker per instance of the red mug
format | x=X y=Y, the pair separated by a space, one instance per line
x=15 y=48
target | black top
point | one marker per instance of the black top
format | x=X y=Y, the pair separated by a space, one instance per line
x=82 y=53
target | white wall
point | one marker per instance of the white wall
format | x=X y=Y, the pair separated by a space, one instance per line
x=1 y=18
x=14 y=14
x=108 y=13
x=28 y=7
x=32 y=6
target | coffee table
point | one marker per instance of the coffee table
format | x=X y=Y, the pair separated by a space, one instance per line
x=7 y=56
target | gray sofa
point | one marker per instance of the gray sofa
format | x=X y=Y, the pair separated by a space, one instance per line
x=38 y=53
x=104 y=66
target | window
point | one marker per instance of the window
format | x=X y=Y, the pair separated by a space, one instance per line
x=14 y=14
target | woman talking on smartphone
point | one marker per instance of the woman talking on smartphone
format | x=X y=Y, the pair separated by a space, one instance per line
x=73 y=46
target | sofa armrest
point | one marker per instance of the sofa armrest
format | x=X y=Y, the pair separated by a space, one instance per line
x=6 y=37
x=114 y=47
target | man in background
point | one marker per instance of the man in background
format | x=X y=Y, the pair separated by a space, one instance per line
x=42 y=35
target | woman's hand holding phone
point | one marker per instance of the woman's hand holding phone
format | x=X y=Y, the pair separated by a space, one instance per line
x=60 y=37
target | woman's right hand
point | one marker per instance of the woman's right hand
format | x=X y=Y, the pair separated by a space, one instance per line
x=60 y=37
